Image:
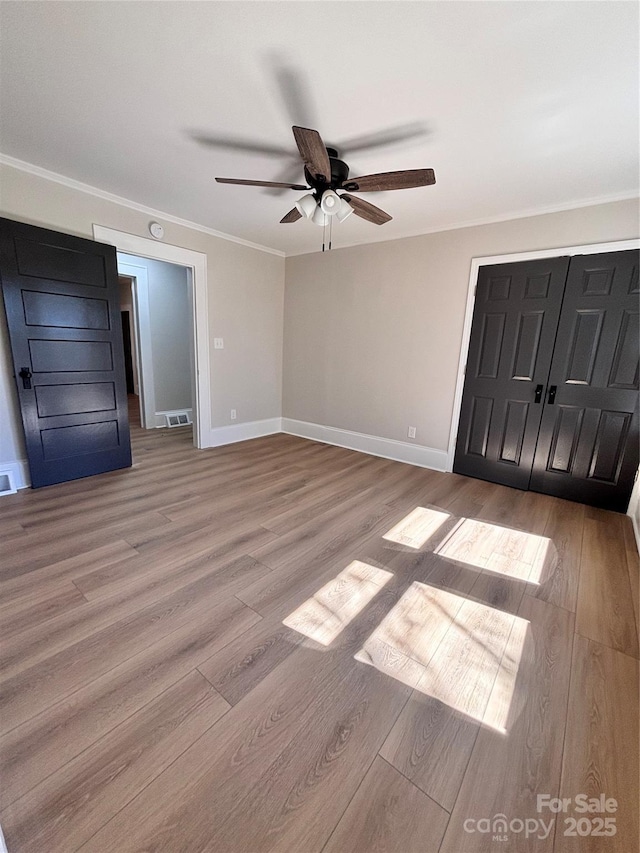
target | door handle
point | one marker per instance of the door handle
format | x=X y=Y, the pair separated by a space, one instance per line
x=539 y=390
x=552 y=394
x=25 y=374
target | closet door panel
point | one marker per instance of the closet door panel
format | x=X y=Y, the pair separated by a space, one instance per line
x=588 y=444
x=514 y=327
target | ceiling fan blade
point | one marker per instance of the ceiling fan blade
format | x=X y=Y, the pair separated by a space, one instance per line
x=287 y=174
x=367 y=211
x=390 y=136
x=293 y=216
x=295 y=90
x=391 y=181
x=261 y=183
x=238 y=143
x=313 y=152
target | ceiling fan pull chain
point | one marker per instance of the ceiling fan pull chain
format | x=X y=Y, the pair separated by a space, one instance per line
x=330 y=231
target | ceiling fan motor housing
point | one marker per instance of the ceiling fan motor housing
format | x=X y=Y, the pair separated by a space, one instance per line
x=339 y=174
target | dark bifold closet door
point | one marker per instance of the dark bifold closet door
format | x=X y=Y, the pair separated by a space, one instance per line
x=588 y=444
x=62 y=304
x=514 y=327
x=550 y=399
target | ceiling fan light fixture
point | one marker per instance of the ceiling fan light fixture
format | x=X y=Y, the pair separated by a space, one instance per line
x=319 y=217
x=324 y=173
x=330 y=202
x=306 y=205
x=344 y=210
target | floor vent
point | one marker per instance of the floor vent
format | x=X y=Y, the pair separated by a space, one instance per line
x=7 y=487
x=177 y=419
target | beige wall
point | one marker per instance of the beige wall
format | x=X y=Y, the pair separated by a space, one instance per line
x=246 y=291
x=372 y=333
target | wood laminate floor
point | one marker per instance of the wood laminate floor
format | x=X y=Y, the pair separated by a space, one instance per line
x=284 y=646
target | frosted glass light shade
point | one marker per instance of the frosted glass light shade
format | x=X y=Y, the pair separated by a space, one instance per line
x=319 y=218
x=344 y=211
x=306 y=205
x=330 y=202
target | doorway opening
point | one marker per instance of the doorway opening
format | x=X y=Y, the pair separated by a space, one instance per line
x=156 y=301
x=195 y=264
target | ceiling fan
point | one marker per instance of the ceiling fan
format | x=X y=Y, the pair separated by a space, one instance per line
x=326 y=174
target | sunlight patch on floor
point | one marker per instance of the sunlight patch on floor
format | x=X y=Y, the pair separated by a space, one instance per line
x=406 y=639
x=461 y=652
x=417 y=527
x=504 y=696
x=502 y=550
x=323 y=616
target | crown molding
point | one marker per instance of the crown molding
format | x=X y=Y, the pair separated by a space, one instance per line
x=57 y=178
x=489 y=220
x=71 y=183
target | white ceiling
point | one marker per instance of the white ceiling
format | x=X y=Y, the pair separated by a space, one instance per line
x=525 y=107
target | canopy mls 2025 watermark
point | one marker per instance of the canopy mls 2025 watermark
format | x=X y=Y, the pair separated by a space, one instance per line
x=590 y=817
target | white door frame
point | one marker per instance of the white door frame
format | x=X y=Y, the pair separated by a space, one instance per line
x=196 y=262
x=140 y=304
x=476 y=263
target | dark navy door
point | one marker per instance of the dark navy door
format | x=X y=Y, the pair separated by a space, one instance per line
x=588 y=443
x=514 y=328
x=62 y=304
x=550 y=399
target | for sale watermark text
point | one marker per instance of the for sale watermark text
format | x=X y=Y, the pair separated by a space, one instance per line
x=594 y=818
x=581 y=803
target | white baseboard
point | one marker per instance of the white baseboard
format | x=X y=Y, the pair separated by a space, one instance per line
x=243 y=432
x=18 y=471
x=388 y=448
x=398 y=451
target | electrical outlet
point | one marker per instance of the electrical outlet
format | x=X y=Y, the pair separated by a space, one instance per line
x=233 y=414
x=218 y=343
x=411 y=432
